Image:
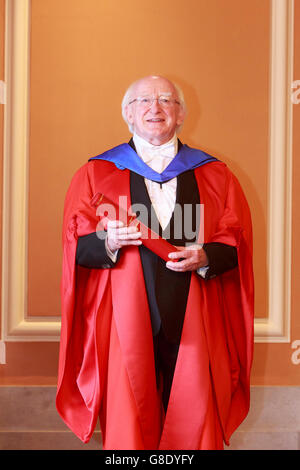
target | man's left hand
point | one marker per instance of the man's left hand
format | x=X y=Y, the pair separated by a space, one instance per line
x=192 y=258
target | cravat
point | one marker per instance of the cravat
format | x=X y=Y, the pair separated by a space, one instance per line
x=158 y=158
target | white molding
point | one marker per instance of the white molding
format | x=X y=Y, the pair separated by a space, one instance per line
x=276 y=327
x=16 y=326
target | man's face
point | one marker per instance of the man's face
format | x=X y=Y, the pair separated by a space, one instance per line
x=154 y=122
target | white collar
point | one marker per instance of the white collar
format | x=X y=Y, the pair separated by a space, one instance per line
x=142 y=144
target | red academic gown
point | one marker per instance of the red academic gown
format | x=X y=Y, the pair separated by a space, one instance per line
x=106 y=364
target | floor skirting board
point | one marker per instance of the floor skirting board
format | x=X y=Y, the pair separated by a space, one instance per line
x=29 y=420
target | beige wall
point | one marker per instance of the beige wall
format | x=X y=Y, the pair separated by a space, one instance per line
x=83 y=56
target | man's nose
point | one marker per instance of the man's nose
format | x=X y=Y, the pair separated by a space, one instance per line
x=155 y=106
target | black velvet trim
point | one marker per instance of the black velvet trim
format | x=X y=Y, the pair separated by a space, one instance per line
x=91 y=252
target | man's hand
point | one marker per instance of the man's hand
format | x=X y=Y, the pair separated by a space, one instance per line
x=119 y=235
x=193 y=258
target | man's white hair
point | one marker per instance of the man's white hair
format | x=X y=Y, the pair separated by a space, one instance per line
x=129 y=96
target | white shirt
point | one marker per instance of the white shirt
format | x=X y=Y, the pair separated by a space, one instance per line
x=162 y=197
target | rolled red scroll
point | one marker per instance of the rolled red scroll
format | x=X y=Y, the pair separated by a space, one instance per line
x=150 y=239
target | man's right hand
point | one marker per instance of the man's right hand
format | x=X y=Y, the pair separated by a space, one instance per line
x=119 y=235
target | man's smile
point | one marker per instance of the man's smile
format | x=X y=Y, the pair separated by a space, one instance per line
x=155 y=120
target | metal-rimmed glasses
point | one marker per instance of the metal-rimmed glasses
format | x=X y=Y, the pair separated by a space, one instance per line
x=147 y=101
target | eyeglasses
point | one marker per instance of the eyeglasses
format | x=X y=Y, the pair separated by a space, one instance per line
x=147 y=101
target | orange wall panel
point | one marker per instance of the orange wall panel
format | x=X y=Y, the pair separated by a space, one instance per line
x=83 y=57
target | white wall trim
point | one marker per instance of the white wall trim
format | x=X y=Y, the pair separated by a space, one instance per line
x=15 y=324
x=276 y=327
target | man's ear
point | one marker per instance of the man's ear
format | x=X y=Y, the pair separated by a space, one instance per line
x=181 y=116
x=129 y=114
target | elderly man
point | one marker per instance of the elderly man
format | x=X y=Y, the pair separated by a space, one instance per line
x=160 y=350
